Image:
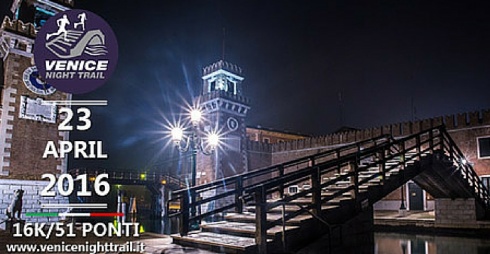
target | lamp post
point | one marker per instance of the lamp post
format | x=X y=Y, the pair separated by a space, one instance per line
x=403 y=208
x=194 y=143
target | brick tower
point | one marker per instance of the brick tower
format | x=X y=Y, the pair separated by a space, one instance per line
x=27 y=121
x=225 y=109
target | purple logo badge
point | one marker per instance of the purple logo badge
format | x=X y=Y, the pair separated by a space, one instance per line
x=76 y=51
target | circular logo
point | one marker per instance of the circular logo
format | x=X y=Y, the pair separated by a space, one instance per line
x=76 y=51
x=232 y=124
x=36 y=83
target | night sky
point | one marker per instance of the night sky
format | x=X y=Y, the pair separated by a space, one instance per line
x=297 y=56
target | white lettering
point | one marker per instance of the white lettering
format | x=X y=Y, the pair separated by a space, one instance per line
x=50 y=150
x=77 y=65
x=50 y=65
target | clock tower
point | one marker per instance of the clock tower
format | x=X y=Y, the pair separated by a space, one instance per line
x=28 y=117
x=225 y=109
x=28 y=121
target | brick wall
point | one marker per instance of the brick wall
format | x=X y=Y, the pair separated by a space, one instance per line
x=31 y=200
x=464 y=128
x=456 y=212
x=24 y=140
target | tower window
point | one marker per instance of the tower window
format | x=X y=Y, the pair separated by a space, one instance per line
x=221 y=84
x=484 y=147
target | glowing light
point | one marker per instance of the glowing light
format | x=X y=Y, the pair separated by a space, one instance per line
x=196 y=116
x=164 y=182
x=177 y=134
x=213 y=140
x=143 y=176
x=464 y=161
x=92 y=178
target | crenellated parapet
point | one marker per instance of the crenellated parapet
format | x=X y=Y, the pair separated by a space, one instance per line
x=452 y=122
x=16 y=37
x=257 y=146
x=18 y=27
x=221 y=65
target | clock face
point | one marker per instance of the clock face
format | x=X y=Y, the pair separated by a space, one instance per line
x=36 y=83
x=232 y=124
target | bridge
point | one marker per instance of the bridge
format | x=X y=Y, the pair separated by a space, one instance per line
x=158 y=184
x=259 y=216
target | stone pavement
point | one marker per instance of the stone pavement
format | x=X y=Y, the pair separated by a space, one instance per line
x=409 y=215
x=163 y=244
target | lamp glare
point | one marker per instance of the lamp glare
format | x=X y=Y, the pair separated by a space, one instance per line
x=213 y=140
x=177 y=134
x=196 y=116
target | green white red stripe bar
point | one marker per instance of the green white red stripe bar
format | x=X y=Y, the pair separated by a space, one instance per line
x=74 y=214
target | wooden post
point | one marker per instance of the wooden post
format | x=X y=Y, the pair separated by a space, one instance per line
x=184 y=215
x=431 y=141
x=382 y=166
x=281 y=186
x=238 y=195
x=317 y=191
x=261 y=220
x=419 y=150
x=355 y=177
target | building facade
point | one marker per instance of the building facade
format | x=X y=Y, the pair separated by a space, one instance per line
x=251 y=148
x=225 y=108
x=272 y=136
x=470 y=131
x=28 y=117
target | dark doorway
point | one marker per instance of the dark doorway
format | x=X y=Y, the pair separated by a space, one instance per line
x=416 y=198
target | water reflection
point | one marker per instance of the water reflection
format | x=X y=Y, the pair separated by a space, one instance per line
x=390 y=243
x=366 y=243
x=394 y=243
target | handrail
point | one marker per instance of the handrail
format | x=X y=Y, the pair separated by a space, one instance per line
x=183 y=194
x=377 y=151
x=270 y=169
x=480 y=193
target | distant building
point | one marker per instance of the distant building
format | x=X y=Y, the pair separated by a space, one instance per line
x=250 y=148
x=271 y=136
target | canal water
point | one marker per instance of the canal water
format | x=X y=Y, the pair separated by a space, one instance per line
x=372 y=243
x=398 y=243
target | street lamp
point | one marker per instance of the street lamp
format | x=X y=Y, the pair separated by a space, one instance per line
x=196 y=141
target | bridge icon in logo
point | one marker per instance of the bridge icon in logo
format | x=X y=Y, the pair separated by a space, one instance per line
x=66 y=43
x=76 y=51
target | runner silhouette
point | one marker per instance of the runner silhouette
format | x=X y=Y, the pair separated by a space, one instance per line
x=62 y=23
x=83 y=17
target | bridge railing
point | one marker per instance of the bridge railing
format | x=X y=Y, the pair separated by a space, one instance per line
x=399 y=153
x=230 y=193
x=140 y=177
x=466 y=169
x=342 y=165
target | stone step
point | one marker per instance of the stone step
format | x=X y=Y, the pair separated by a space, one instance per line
x=243 y=229
x=220 y=243
x=247 y=217
x=289 y=208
